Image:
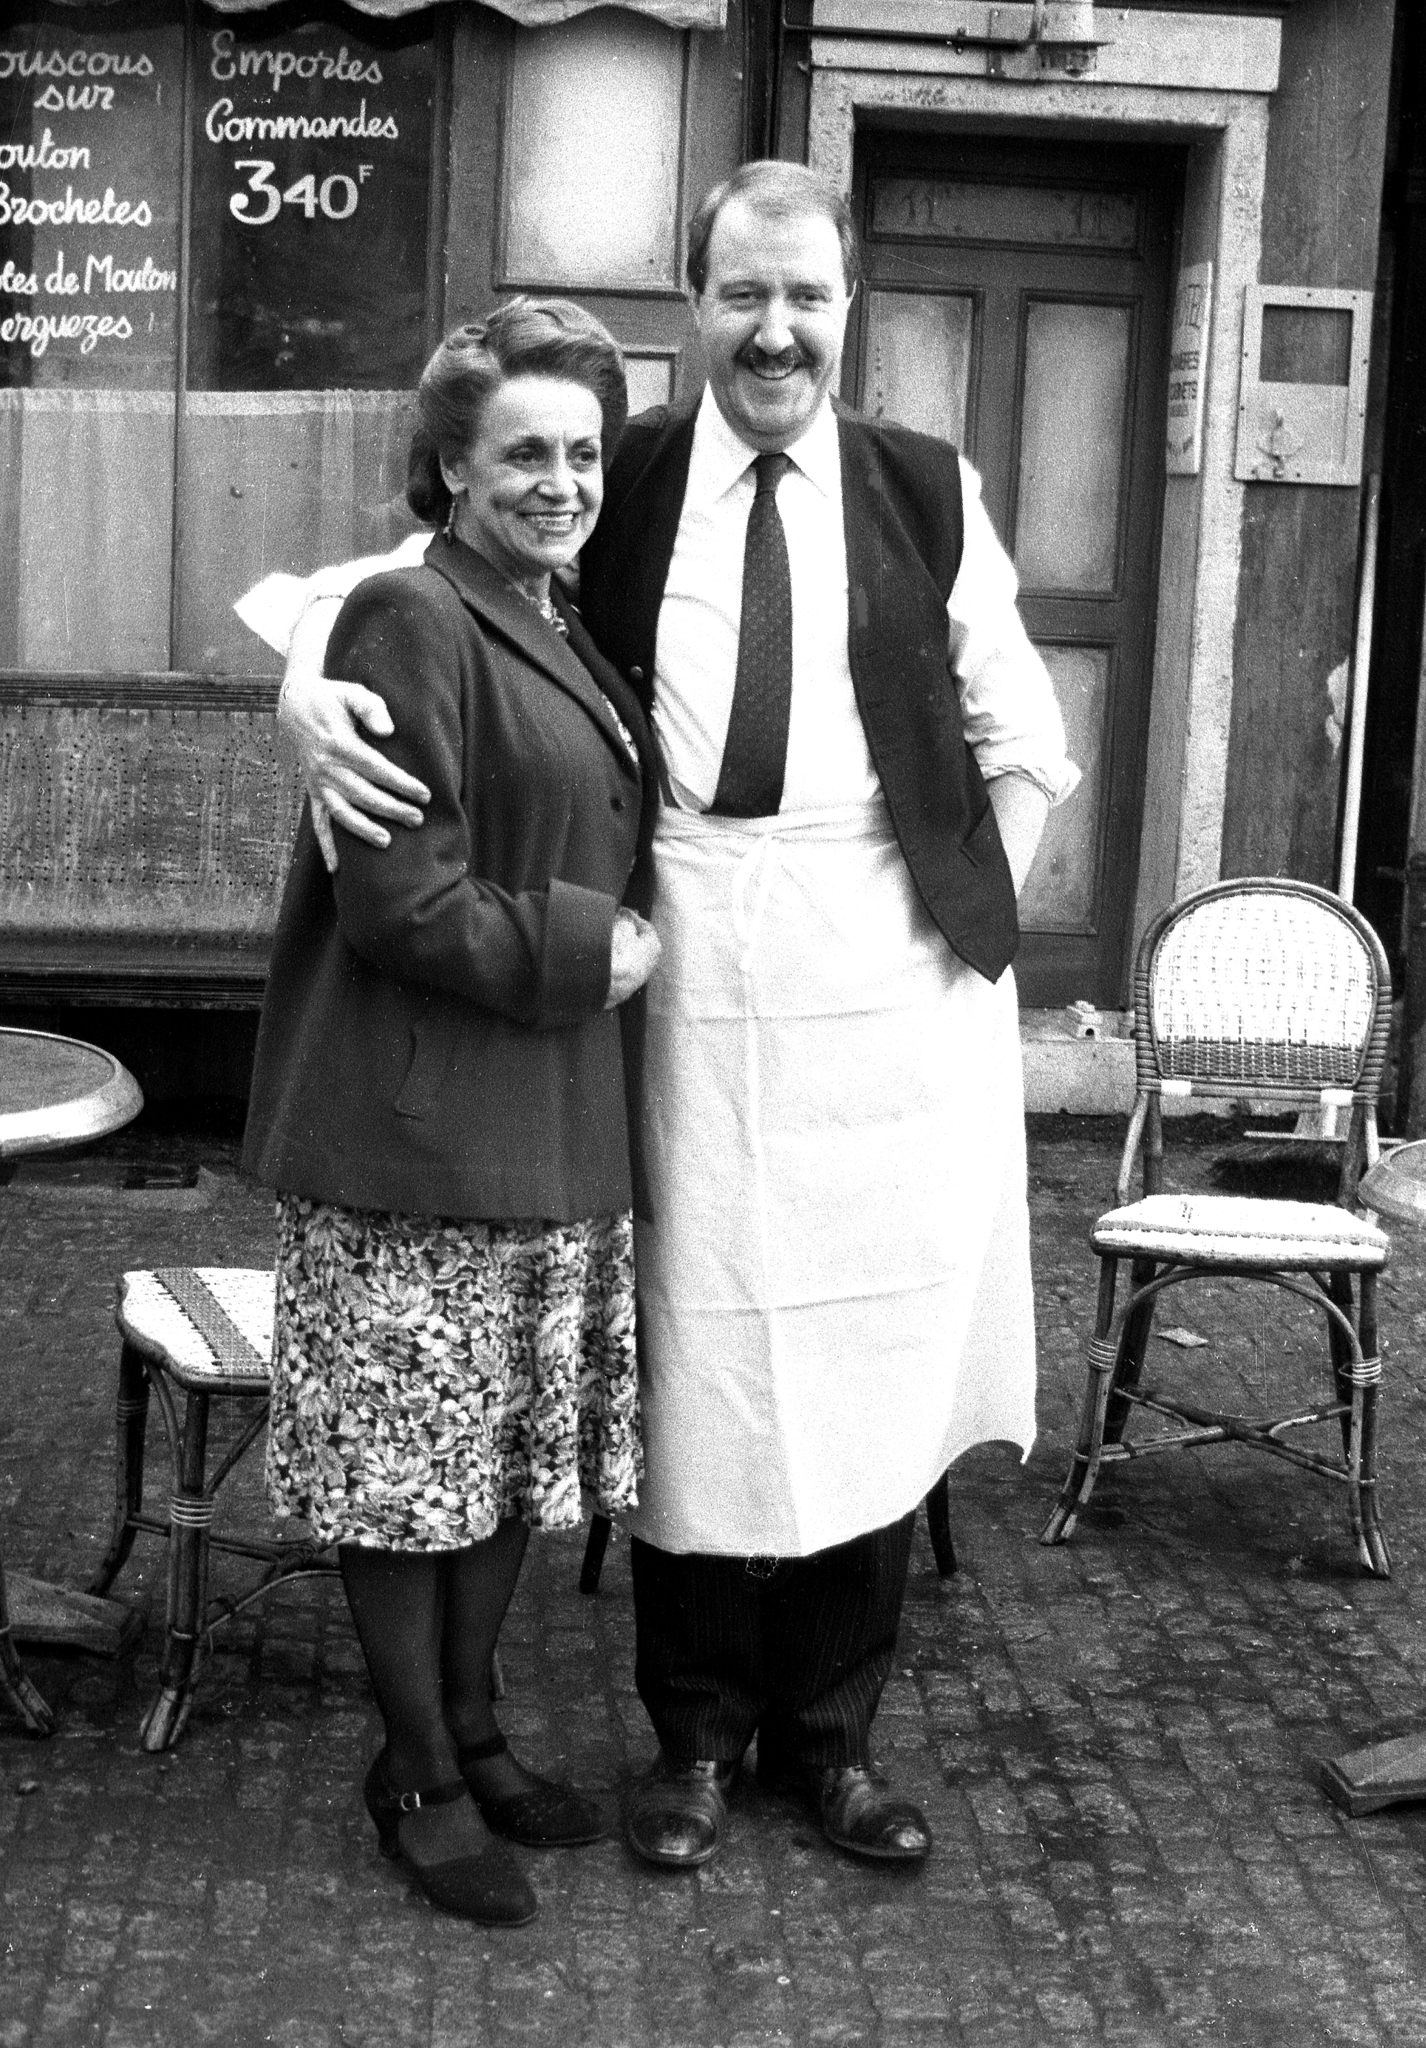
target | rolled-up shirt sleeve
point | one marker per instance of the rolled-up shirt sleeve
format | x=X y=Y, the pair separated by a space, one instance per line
x=275 y=608
x=1008 y=709
x=339 y=579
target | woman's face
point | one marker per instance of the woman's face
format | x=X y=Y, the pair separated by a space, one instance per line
x=529 y=487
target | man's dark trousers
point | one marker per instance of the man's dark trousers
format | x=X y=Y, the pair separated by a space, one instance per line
x=796 y=1649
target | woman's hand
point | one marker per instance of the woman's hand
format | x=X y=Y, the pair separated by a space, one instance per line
x=633 y=955
x=349 y=782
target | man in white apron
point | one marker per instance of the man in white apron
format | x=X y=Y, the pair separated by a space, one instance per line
x=860 y=747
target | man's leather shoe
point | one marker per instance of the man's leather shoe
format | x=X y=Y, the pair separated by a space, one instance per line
x=861 y=1814
x=675 y=1816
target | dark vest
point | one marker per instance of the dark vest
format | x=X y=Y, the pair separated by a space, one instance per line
x=901 y=508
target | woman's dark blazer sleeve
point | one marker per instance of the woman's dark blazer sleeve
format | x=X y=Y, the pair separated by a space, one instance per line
x=421 y=909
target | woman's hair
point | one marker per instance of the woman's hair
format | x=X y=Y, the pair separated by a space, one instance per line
x=778 y=191
x=523 y=338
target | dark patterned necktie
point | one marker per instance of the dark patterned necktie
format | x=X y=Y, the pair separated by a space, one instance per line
x=755 y=752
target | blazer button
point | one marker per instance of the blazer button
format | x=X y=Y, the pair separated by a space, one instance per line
x=616 y=803
x=636 y=675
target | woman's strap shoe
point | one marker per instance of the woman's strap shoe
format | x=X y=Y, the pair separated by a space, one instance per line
x=677 y=1812
x=539 y=1814
x=861 y=1814
x=487 y=1885
x=386 y=1807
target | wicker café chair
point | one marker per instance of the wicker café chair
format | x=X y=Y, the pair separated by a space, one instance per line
x=205 y=1333
x=1278 y=992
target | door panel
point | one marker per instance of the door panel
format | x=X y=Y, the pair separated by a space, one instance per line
x=586 y=218
x=1016 y=303
x=1069 y=486
x=541 y=201
x=1032 y=215
x=1060 y=894
x=919 y=360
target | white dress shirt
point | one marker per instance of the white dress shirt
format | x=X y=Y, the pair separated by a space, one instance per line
x=1008 y=707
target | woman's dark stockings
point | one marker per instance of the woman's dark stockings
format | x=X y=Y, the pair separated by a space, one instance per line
x=428 y=1622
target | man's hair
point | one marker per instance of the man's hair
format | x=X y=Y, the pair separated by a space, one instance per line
x=781 y=191
x=523 y=338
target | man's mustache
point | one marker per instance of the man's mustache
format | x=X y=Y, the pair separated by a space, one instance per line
x=772 y=359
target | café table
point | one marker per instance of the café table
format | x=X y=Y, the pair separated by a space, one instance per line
x=1385 y=1773
x=56 y=1094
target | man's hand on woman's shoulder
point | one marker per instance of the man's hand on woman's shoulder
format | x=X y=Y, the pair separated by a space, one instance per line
x=348 y=781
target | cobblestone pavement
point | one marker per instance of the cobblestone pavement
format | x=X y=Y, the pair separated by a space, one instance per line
x=1115 y=1740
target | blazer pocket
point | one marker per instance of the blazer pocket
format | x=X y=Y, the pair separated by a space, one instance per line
x=431 y=1050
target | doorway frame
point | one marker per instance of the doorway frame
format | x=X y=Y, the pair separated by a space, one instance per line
x=1223 y=129
x=1047 y=961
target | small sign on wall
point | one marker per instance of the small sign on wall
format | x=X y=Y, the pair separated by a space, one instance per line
x=1188 y=370
x=1303 y=399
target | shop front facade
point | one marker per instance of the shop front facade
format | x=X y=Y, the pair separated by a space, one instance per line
x=1126 y=257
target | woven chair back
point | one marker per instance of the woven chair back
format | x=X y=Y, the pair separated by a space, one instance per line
x=1263 y=988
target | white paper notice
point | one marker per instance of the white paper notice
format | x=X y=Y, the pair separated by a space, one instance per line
x=1188 y=366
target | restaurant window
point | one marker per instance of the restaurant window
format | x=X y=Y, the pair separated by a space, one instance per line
x=226 y=242
x=215 y=299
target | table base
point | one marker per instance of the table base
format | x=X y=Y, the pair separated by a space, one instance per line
x=58 y=1618
x=1385 y=1774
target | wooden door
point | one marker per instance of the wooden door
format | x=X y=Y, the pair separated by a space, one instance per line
x=1016 y=301
x=577 y=152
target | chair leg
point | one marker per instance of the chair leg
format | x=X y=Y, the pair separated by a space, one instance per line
x=131 y=1419
x=190 y=1519
x=1371 y=1538
x=1085 y=1468
x=1133 y=1348
x=594 y=1549
x=1339 y=1292
x=938 y=1521
x=16 y=1691
x=1359 y=1420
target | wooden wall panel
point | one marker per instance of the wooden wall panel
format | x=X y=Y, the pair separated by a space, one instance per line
x=1294 y=624
x=280 y=480
x=86 y=491
x=1386 y=844
x=1326 y=146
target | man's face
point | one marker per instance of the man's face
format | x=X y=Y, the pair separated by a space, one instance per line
x=771 y=316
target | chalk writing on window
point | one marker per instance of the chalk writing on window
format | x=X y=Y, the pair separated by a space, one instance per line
x=311 y=191
x=90 y=167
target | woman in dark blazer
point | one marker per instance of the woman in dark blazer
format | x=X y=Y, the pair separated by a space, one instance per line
x=438 y=1099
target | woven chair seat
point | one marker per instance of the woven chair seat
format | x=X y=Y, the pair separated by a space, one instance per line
x=1241 y=1230
x=209 y=1326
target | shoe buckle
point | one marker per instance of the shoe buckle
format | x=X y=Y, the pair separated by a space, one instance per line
x=407 y=1802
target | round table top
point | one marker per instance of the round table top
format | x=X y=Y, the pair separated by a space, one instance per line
x=56 y=1092
x=1396 y=1185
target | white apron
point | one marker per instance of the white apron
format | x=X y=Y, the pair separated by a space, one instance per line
x=834 y=1291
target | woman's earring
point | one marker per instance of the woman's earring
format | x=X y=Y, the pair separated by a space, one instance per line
x=450 y=528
